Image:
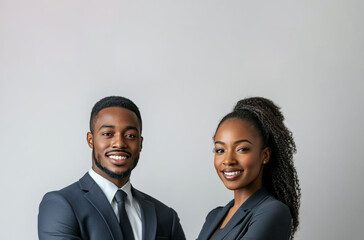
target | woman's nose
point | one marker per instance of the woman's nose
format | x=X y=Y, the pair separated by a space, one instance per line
x=229 y=158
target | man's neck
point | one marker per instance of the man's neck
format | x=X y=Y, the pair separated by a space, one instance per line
x=119 y=182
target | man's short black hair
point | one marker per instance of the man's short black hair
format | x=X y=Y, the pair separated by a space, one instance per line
x=114 y=101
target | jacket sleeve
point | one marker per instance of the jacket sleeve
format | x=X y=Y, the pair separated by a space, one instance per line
x=272 y=222
x=56 y=219
x=177 y=231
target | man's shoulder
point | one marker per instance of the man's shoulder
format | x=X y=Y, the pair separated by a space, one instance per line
x=61 y=195
x=71 y=191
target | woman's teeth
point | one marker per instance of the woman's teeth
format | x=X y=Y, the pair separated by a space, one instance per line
x=232 y=173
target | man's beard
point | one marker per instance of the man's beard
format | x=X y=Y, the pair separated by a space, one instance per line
x=110 y=173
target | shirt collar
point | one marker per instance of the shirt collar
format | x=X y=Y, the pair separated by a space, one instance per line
x=110 y=188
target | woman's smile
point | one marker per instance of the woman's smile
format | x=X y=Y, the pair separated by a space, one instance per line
x=232 y=174
x=239 y=155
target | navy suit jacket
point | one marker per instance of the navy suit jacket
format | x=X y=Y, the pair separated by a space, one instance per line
x=260 y=217
x=82 y=211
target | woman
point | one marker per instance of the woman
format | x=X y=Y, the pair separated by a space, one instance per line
x=254 y=158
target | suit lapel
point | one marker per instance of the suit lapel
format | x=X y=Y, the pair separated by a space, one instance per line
x=149 y=216
x=97 y=198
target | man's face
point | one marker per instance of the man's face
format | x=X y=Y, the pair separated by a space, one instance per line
x=115 y=142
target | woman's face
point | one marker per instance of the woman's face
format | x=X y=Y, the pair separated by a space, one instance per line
x=239 y=155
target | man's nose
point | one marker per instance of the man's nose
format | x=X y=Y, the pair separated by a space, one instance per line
x=118 y=142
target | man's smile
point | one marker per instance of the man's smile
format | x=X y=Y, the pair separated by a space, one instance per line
x=118 y=157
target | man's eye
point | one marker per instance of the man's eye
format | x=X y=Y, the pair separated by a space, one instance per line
x=131 y=136
x=106 y=134
x=218 y=150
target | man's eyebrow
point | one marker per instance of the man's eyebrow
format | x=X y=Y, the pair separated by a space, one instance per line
x=107 y=126
x=131 y=127
x=113 y=127
x=236 y=142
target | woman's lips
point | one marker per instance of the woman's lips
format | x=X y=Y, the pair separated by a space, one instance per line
x=232 y=174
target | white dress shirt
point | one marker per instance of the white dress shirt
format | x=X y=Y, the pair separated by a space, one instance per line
x=131 y=205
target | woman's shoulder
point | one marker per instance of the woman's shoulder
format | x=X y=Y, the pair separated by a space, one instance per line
x=214 y=212
x=272 y=208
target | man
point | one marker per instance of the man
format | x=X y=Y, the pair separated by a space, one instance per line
x=103 y=205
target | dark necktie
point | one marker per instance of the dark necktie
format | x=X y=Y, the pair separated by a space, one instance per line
x=120 y=197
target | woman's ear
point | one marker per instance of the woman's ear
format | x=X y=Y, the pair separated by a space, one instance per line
x=266 y=155
x=90 y=140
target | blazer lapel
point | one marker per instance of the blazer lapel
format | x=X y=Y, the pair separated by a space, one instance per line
x=214 y=224
x=238 y=216
x=96 y=197
x=149 y=216
x=243 y=210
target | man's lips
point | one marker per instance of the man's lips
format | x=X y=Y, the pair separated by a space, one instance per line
x=115 y=157
x=118 y=156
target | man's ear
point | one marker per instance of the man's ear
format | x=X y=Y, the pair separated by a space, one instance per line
x=90 y=140
x=141 y=143
x=266 y=155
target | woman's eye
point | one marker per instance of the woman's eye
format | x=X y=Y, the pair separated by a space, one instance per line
x=218 y=150
x=243 y=149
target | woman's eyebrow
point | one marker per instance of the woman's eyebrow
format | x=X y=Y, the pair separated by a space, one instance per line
x=243 y=140
x=236 y=142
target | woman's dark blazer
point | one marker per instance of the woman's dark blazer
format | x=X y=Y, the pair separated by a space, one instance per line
x=261 y=217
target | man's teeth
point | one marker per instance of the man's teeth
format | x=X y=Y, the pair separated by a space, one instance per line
x=117 y=157
x=232 y=173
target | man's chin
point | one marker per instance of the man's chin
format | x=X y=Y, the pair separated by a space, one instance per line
x=119 y=175
x=111 y=173
x=115 y=174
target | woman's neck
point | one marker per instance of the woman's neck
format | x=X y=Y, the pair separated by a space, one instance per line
x=241 y=195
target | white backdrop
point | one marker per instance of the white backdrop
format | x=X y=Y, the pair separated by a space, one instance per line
x=185 y=64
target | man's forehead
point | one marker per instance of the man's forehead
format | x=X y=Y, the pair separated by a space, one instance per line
x=116 y=115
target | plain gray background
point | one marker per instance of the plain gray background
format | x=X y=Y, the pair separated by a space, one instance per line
x=185 y=64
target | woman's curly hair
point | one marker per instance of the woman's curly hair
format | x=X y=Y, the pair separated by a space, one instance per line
x=279 y=175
